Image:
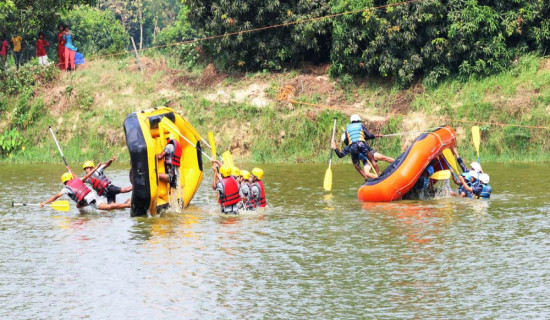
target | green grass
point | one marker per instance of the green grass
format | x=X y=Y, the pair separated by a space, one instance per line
x=104 y=93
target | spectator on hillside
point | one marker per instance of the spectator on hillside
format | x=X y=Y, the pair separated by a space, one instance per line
x=41 y=43
x=3 y=52
x=61 y=46
x=17 y=44
x=70 y=49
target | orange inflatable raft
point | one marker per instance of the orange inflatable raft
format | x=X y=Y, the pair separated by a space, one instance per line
x=401 y=176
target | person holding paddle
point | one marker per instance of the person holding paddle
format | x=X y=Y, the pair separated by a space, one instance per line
x=101 y=184
x=82 y=195
x=356 y=139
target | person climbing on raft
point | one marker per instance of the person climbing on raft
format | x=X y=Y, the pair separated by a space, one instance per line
x=100 y=183
x=82 y=195
x=356 y=137
x=172 y=159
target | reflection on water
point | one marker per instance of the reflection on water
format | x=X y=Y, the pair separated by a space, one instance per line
x=311 y=254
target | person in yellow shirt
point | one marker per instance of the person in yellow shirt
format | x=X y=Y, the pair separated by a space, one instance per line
x=16 y=41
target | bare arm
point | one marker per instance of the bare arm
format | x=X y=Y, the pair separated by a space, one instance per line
x=89 y=174
x=52 y=199
x=71 y=171
x=161 y=155
x=465 y=185
x=108 y=163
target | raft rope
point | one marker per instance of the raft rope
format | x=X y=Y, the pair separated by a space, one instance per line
x=237 y=33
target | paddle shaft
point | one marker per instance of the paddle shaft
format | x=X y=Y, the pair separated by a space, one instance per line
x=451 y=169
x=333 y=132
x=58 y=146
x=16 y=204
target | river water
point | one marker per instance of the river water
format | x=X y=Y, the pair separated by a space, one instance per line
x=308 y=256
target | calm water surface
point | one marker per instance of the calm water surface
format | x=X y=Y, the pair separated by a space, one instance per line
x=308 y=256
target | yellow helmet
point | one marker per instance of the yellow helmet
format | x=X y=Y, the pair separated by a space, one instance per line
x=88 y=164
x=259 y=173
x=245 y=174
x=66 y=177
x=235 y=171
x=225 y=170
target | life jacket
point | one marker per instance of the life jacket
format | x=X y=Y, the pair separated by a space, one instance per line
x=176 y=157
x=354 y=132
x=78 y=190
x=485 y=192
x=231 y=194
x=100 y=183
x=259 y=203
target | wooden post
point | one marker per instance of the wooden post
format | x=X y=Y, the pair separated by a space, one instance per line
x=137 y=55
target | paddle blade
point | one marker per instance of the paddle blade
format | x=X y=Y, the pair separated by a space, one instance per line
x=448 y=154
x=228 y=158
x=61 y=205
x=476 y=137
x=327 y=185
x=441 y=175
x=212 y=142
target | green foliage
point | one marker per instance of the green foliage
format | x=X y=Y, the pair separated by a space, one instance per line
x=28 y=75
x=10 y=141
x=96 y=31
x=270 y=49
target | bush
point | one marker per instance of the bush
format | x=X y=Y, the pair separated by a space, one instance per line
x=10 y=140
x=96 y=31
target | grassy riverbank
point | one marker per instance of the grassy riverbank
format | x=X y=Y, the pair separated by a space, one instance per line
x=87 y=109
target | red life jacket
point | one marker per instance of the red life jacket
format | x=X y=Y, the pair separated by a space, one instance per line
x=231 y=192
x=176 y=157
x=78 y=188
x=260 y=203
x=99 y=184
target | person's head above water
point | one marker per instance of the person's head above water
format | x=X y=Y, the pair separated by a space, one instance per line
x=354 y=118
x=88 y=165
x=476 y=167
x=67 y=176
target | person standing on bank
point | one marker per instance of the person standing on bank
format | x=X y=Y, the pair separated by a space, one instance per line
x=41 y=43
x=17 y=49
x=61 y=46
x=70 y=49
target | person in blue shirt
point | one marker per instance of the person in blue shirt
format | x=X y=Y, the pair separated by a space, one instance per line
x=356 y=137
x=70 y=49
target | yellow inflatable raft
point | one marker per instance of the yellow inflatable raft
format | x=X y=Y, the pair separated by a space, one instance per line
x=146 y=136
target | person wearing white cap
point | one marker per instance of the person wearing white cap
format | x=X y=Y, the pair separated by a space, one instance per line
x=468 y=181
x=356 y=137
x=483 y=190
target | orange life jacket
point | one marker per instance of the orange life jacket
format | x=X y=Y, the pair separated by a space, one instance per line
x=231 y=192
x=176 y=157
x=99 y=184
x=259 y=203
x=78 y=188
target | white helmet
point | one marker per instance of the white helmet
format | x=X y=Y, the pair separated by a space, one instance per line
x=484 y=178
x=343 y=137
x=474 y=174
x=476 y=166
x=354 y=117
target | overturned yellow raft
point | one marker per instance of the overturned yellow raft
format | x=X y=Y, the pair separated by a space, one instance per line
x=146 y=137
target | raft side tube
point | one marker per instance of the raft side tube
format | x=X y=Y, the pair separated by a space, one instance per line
x=401 y=176
x=139 y=171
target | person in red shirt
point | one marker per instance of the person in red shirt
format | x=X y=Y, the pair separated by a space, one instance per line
x=61 y=47
x=41 y=43
x=3 y=52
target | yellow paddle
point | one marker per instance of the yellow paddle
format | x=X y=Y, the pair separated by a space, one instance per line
x=212 y=144
x=451 y=161
x=441 y=175
x=327 y=184
x=228 y=158
x=477 y=140
x=61 y=205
